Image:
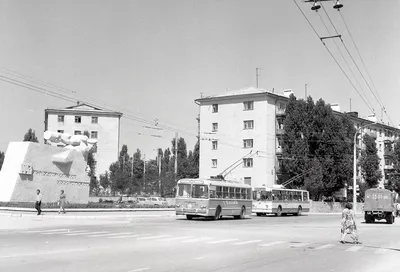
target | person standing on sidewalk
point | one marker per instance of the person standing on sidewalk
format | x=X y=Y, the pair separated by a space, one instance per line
x=61 y=202
x=38 y=202
x=349 y=224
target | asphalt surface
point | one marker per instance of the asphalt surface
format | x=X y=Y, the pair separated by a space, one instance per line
x=165 y=243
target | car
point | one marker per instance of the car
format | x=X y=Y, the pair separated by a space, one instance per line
x=158 y=201
x=143 y=201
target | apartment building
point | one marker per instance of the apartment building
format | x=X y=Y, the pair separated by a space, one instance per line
x=100 y=124
x=241 y=136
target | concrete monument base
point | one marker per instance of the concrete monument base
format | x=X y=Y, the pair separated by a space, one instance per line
x=29 y=166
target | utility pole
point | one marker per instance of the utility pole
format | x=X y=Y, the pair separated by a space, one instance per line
x=144 y=172
x=176 y=156
x=305 y=91
x=257 y=74
x=159 y=171
x=132 y=174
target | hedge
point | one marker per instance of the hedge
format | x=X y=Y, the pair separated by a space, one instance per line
x=91 y=205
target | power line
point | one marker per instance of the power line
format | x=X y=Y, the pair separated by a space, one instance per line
x=344 y=59
x=359 y=70
x=316 y=33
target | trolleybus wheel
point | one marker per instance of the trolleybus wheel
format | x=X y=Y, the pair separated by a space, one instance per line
x=299 y=210
x=189 y=217
x=259 y=214
x=217 y=213
x=279 y=211
x=242 y=214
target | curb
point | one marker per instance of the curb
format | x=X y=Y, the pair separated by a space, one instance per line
x=76 y=217
x=11 y=209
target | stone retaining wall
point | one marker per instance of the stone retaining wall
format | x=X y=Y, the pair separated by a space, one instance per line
x=331 y=207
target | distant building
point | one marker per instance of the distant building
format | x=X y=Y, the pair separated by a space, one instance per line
x=100 y=124
x=233 y=124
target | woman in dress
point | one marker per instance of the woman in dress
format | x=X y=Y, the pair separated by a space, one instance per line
x=349 y=224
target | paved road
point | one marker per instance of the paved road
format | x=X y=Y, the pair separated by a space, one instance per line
x=306 y=243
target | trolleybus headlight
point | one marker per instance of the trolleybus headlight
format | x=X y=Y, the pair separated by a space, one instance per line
x=203 y=206
x=177 y=205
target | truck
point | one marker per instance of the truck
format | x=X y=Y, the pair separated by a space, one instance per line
x=379 y=204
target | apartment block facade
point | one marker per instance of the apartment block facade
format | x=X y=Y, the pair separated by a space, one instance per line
x=100 y=124
x=241 y=136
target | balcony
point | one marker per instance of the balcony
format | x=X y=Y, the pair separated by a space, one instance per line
x=279 y=151
x=387 y=152
x=280 y=112
x=387 y=140
x=388 y=167
x=280 y=132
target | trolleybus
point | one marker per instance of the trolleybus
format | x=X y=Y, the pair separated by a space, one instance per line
x=213 y=198
x=280 y=201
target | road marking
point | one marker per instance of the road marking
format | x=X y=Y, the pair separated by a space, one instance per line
x=296 y=245
x=46 y=253
x=197 y=240
x=222 y=241
x=86 y=233
x=381 y=251
x=153 y=237
x=123 y=236
x=272 y=244
x=247 y=242
x=175 y=238
x=199 y=258
x=38 y=231
x=111 y=234
x=354 y=248
x=140 y=269
x=324 y=247
x=64 y=232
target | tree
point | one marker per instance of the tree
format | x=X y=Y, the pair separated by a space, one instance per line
x=2 y=156
x=120 y=172
x=104 y=180
x=93 y=185
x=369 y=162
x=316 y=139
x=394 y=176
x=30 y=136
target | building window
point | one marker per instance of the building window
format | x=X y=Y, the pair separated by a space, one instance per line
x=214 y=145
x=387 y=162
x=60 y=118
x=248 y=124
x=60 y=131
x=95 y=120
x=78 y=119
x=248 y=162
x=214 y=163
x=248 y=105
x=93 y=134
x=247 y=180
x=77 y=132
x=248 y=143
x=214 y=127
x=215 y=108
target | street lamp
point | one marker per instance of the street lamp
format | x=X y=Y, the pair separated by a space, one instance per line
x=355 y=167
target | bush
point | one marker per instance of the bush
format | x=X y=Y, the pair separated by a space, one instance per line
x=100 y=200
x=90 y=205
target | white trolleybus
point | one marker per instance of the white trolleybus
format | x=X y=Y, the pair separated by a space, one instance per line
x=280 y=201
x=212 y=198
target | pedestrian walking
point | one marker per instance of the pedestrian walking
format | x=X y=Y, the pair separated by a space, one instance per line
x=349 y=224
x=38 y=202
x=61 y=202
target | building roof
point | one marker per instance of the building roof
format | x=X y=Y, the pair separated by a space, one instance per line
x=84 y=108
x=250 y=91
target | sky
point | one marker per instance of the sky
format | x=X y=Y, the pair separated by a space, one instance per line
x=152 y=58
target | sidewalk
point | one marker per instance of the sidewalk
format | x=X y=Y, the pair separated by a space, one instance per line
x=73 y=214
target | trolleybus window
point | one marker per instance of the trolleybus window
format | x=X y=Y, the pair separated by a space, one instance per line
x=219 y=191
x=185 y=190
x=200 y=191
x=305 y=196
x=225 y=192
x=237 y=191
